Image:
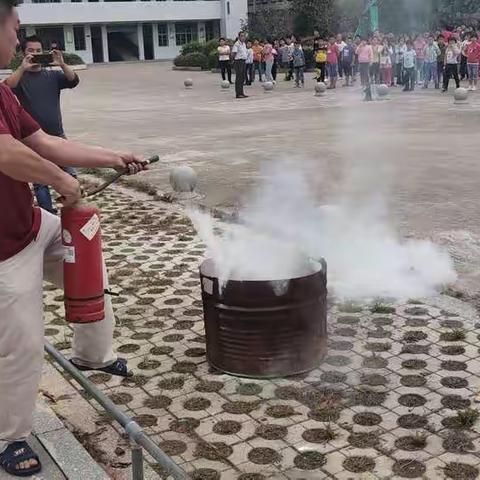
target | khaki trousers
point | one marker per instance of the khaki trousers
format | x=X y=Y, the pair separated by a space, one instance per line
x=22 y=329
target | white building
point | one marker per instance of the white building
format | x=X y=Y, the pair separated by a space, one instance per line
x=105 y=31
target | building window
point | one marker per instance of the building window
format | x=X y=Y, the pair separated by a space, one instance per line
x=51 y=35
x=186 y=33
x=228 y=8
x=212 y=29
x=163 y=35
x=79 y=37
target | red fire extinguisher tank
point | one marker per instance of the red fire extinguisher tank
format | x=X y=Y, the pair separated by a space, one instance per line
x=83 y=264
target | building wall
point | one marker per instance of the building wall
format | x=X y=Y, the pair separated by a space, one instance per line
x=233 y=15
x=229 y=13
x=116 y=12
x=160 y=52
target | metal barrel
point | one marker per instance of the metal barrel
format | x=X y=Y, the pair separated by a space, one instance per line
x=265 y=329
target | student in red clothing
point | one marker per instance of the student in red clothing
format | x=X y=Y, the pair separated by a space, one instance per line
x=31 y=251
x=472 y=52
x=332 y=62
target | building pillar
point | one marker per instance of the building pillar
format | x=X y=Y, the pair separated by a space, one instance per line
x=141 y=45
x=88 y=45
x=172 y=39
x=156 y=53
x=106 y=57
x=202 y=36
x=69 y=38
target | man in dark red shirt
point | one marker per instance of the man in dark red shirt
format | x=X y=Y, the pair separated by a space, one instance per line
x=31 y=251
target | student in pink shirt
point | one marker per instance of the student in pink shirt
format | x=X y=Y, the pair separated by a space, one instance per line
x=332 y=62
x=419 y=45
x=472 y=52
x=365 y=57
x=268 y=59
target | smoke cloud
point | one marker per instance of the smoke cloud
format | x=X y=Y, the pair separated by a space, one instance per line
x=283 y=231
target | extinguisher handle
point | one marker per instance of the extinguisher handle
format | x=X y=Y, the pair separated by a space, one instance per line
x=113 y=179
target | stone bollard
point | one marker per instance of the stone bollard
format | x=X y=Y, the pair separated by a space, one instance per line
x=320 y=89
x=183 y=179
x=267 y=87
x=382 y=92
x=461 y=96
x=188 y=82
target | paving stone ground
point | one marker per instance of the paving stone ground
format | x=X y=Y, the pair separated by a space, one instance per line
x=393 y=399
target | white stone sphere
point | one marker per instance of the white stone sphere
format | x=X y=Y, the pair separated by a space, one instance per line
x=268 y=86
x=382 y=90
x=320 y=87
x=183 y=179
x=188 y=83
x=225 y=84
x=461 y=94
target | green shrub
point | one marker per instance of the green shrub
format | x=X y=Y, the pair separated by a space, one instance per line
x=206 y=48
x=213 y=60
x=195 y=59
x=70 y=59
x=210 y=46
x=192 y=47
x=309 y=57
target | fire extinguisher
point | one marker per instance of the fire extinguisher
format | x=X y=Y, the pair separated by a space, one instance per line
x=83 y=274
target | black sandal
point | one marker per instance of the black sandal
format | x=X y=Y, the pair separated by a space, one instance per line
x=14 y=455
x=118 y=368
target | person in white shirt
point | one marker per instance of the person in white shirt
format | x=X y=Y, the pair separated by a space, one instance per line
x=249 y=65
x=409 y=64
x=340 y=46
x=452 y=59
x=240 y=55
x=224 y=60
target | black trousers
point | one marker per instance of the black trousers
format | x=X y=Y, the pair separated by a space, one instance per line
x=239 y=77
x=451 y=70
x=440 y=72
x=225 y=67
x=463 y=67
x=322 y=66
x=249 y=74
x=275 y=70
x=409 y=75
x=375 y=73
x=399 y=73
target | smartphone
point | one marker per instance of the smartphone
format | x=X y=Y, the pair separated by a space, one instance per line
x=43 y=59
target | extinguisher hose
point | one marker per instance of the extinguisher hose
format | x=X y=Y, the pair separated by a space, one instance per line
x=102 y=187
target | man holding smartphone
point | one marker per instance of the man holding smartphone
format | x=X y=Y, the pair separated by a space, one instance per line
x=31 y=251
x=38 y=91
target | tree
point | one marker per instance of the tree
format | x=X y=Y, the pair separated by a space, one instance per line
x=451 y=11
x=310 y=15
x=268 y=23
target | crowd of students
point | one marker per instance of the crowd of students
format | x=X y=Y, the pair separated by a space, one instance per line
x=403 y=60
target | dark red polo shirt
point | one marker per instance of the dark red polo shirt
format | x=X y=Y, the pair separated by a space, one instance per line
x=19 y=221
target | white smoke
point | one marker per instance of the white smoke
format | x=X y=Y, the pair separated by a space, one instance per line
x=283 y=231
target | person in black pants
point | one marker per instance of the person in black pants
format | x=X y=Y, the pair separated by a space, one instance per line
x=240 y=53
x=452 y=54
x=224 y=60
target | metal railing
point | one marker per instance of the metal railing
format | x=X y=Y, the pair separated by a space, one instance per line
x=138 y=438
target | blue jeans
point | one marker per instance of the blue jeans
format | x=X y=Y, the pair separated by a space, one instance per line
x=420 y=70
x=42 y=192
x=472 y=69
x=430 y=73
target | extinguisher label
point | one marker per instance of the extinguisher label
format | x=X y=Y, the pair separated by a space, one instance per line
x=67 y=236
x=90 y=229
x=208 y=286
x=69 y=255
